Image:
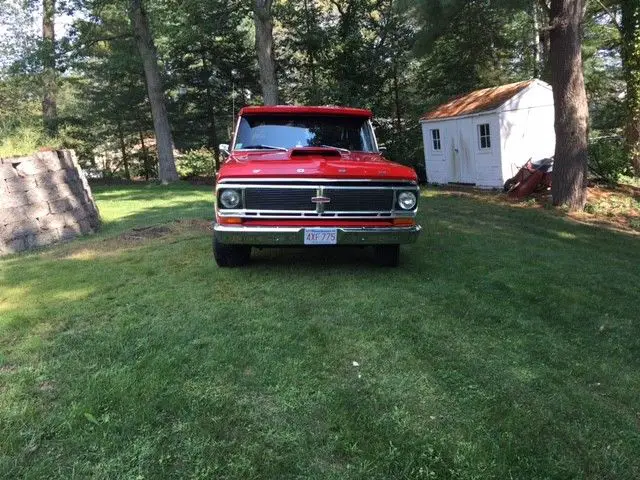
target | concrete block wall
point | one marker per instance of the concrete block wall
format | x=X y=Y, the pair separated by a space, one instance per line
x=44 y=198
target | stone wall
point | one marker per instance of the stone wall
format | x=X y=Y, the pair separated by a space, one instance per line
x=44 y=198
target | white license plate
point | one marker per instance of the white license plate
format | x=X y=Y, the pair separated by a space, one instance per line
x=320 y=236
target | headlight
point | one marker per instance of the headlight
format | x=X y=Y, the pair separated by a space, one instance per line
x=407 y=200
x=230 y=198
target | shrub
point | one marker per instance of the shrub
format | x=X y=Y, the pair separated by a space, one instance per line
x=196 y=163
x=608 y=160
x=24 y=141
x=144 y=164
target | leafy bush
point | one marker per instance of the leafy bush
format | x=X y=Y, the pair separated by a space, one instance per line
x=608 y=160
x=24 y=141
x=196 y=163
x=145 y=164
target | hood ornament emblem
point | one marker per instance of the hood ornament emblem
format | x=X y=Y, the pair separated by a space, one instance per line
x=300 y=170
x=321 y=200
x=257 y=170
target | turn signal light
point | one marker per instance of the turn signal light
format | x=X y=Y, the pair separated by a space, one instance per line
x=230 y=220
x=404 y=222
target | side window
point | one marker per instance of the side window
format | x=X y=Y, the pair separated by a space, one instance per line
x=435 y=140
x=484 y=135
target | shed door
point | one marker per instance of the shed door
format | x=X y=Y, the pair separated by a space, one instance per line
x=463 y=152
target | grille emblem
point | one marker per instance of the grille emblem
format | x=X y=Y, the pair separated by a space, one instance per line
x=320 y=200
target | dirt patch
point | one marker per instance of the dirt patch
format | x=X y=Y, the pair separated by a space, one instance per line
x=48 y=390
x=47 y=386
x=176 y=228
x=134 y=238
x=144 y=233
x=617 y=208
x=159 y=231
x=8 y=368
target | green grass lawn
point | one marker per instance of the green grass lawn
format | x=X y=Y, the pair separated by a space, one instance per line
x=507 y=345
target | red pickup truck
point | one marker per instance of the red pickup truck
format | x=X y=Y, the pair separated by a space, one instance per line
x=311 y=176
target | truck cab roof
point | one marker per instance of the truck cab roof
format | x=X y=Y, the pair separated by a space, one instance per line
x=304 y=110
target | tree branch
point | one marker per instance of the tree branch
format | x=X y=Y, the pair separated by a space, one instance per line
x=611 y=14
x=107 y=39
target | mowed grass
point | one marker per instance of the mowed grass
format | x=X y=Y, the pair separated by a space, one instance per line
x=507 y=345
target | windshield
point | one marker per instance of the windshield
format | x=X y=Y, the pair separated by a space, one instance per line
x=275 y=132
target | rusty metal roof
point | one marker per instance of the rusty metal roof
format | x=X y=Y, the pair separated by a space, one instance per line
x=483 y=100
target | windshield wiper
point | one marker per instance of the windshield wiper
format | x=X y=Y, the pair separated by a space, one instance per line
x=263 y=147
x=345 y=150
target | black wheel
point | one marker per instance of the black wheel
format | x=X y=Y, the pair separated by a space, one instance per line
x=231 y=255
x=387 y=255
x=509 y=184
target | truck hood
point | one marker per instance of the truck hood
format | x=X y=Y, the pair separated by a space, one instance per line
x=313 y=163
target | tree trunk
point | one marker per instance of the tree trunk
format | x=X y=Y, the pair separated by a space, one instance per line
x=145 y=157
x=164 y=141
x=537 y=40
x=571 y=111
x=49 y=106
x=213 y=133
x=399 y=140
x=544 y=47
x=264 y=50
x=631 y=68
x=311 y=61
x=123 y=151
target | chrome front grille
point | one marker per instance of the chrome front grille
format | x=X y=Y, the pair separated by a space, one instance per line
x=298 y=199
x=358 y=200
x=320 y=199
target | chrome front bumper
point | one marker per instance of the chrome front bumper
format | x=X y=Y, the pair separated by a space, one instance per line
x=275 y=236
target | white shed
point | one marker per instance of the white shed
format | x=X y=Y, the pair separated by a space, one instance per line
x=484 y=137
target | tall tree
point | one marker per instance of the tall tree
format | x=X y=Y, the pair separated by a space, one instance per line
x=264 y=50
x=571 y=109
x=49 y=104
x=210 y=51
x=462 y=57
x=164 y=141
x=630 y=52
x=112 y=102
x=302 y=49
x=623 y=17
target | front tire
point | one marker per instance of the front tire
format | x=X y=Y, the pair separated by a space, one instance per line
x=387 y=255
x=231 y=255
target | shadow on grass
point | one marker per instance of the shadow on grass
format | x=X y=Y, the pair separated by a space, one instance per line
x=504 y=346
x=128 y=206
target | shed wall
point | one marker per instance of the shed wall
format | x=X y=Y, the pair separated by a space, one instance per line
x=461 y=159
x=538 y=94
x=521 y=129
x=526 y=134
x=436 y=164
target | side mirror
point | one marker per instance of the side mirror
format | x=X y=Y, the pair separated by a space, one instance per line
x=382 y=149
x=224 y=149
